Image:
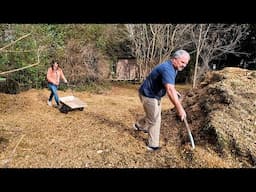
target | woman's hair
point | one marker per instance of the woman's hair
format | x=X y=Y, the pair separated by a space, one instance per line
x=52 y=63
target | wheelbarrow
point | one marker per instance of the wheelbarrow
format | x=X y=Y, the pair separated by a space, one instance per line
x=69 y=103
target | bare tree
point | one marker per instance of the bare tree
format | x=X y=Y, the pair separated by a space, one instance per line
x=84 y=63
x=154 y=43
x=213 y=41
x=202 y=34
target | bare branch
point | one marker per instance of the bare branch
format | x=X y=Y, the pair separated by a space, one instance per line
x=153 y=43
x=8 y=45
x=7 y=161
x=28 y=66
x=218 y=40
x=23 y=51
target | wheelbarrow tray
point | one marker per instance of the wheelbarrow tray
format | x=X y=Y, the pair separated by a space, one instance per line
x=72 y=102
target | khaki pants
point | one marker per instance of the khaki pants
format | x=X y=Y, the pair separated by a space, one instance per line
x=152 y=119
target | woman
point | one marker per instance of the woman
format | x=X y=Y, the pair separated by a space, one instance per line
x=54 y=74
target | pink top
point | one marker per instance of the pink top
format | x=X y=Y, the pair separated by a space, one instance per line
x=54 y=76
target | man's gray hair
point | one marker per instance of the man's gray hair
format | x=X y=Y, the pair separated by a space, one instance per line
x=179 y=53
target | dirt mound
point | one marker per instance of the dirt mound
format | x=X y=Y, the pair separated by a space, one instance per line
x=221 y=112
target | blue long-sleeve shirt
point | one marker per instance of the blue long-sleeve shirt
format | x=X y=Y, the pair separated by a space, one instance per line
x=153 y=85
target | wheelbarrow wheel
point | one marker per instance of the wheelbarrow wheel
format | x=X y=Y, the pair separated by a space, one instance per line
x=64 y=109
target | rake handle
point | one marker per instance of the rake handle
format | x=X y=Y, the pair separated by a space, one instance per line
x=189 y=133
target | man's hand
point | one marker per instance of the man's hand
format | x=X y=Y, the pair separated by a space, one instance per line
x=182 y=114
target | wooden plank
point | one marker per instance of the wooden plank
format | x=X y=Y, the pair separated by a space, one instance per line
x=72 y=102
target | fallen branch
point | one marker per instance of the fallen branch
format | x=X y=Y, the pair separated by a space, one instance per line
x=19 y=68
x=28 y=66
x=22 y=51
x=7 y=161
x=8 y=45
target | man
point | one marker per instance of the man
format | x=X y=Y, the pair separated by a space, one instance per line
x=159 y=82
x=54 y=73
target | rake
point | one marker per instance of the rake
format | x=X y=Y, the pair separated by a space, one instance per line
x=189 y=133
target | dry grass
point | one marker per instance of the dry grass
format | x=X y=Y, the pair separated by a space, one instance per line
x=100 y=136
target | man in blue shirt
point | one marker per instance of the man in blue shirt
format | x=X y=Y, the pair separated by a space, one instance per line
x=160 y=81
